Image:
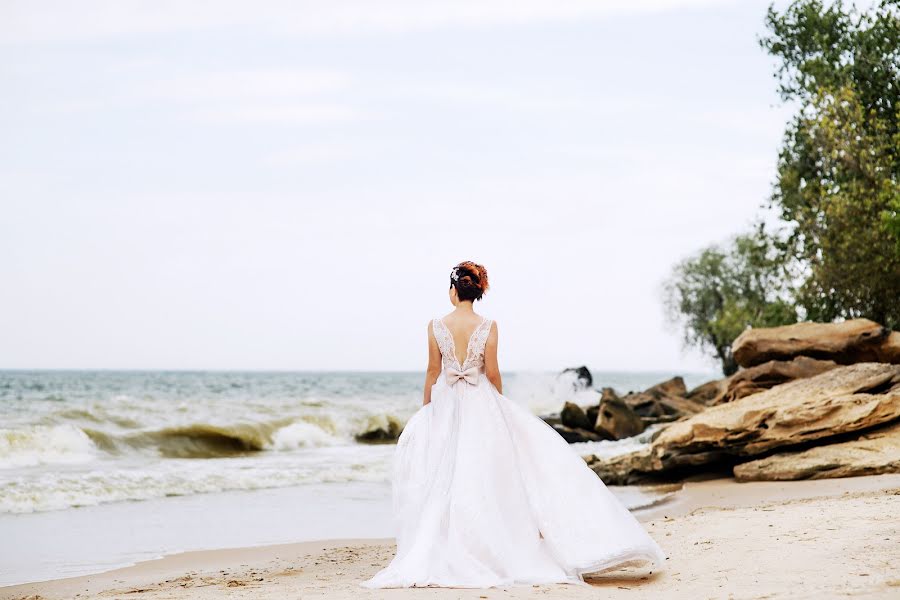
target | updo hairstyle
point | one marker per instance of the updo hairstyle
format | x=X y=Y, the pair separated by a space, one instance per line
x=470 y=280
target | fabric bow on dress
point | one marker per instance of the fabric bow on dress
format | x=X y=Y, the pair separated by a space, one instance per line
x=470 y=375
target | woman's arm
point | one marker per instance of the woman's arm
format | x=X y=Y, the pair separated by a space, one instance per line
x=434 y=364
x=491 y=369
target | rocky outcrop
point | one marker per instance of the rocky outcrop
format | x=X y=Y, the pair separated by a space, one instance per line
x=839 y=401
x=663 y=402
x=573 y=416
x=616 y=420
x=850 y=342
x=889 y=350
x=670 y=387
x=625 y=469
x=708 y=393
x=573 y=435
x=874 y=452
x=747 y=382
x=753 y=380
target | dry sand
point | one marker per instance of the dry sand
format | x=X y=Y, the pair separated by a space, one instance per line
x=808 y=539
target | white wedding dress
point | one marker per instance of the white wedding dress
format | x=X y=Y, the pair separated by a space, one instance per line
x=486 y=494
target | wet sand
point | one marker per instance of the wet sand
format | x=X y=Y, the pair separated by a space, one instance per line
x=806 y=539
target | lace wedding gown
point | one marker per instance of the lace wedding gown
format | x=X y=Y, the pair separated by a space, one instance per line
x=486 y=494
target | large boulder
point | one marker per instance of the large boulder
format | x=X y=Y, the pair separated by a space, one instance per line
x=889 y=351
x=747 y=382
x=574 y=416
x=616 y=420
x=663 y=402
x=573 y=434
x=857 y=340
x=624 y=469
x=708 y=393
x=873 y=452
x=839 y=401
x=670 y=387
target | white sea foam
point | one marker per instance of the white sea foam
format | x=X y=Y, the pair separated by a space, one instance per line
x=179 y=477
x=45 y=445
x=301 y=435
x=84 y=438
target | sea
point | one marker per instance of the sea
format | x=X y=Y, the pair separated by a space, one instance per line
x=102 y=469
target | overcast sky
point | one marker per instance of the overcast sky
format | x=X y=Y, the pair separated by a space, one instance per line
x=286 y=185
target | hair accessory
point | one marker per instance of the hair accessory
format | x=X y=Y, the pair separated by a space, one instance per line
x=454 y=274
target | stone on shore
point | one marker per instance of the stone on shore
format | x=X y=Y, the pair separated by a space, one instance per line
x=664 y=402
x=616 y=420
x=752 y=380
x=853 y=341
x=873 y=452
x=839 y=401
x=573 y=434
x=573 y=416
x=708 y=393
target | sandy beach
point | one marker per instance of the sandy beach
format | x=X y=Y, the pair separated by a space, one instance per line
x=822 y=538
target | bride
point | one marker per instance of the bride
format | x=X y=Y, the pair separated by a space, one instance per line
x=485 y=493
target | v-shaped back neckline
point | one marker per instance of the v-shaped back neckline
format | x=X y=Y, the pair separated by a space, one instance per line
x=468 y=343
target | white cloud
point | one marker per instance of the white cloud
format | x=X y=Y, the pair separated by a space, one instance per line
x=59 y=20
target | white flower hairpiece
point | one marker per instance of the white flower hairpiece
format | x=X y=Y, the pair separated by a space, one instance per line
x=454 y=274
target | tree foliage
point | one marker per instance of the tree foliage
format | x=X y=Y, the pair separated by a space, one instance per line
x=719 y=292
x=837 y=188
x=838 y=181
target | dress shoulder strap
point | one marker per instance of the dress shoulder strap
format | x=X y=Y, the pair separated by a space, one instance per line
x=480 y=337
x=443 y=336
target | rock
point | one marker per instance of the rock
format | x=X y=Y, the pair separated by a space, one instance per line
x=708 y=393
x=839 y=401
x=873 y=452
x=582 y=376
x=857 y=340
x=574 y=416
x=573 y=434
x=670 y=387
x=663 y=402
x=616 y=420
x=842 y=400
x=625 y=469
x=592 y=412
x=607 y=394
x=889 y=351
x=769 y=374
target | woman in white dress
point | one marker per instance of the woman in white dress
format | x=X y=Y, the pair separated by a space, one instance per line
x=485 y=493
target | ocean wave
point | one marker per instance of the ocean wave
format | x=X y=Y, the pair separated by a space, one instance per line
x=68 y=443
x=56 y=491
x=45 y=445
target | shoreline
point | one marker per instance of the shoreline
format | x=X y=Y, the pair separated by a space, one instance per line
x=748 y=533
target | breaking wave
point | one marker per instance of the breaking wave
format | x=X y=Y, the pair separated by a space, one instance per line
x=67 y=443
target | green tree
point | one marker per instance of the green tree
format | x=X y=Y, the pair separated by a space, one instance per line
x=837 y=186
x=719 y=292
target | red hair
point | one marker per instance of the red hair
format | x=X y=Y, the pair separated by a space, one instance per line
x=472 y=280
